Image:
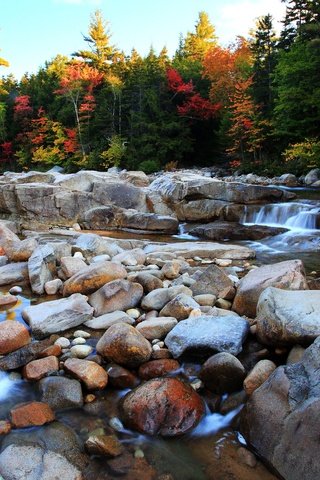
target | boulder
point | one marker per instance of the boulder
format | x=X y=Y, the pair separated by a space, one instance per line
x=13 y=335
x=288 y=317
x=148 y=281
x=206 y=334
x=133 y=257
x=120 y=194
x=21 y=250
x=179 y=307
x=41 y=267
x=258 y=375
x=158 y=368
x=281 y=419
x=124 y=345
x=204 y=210
x=157 y=327
x=92 y=277
x=312 y=177
x=162 y=406
x=103 y=322
x=14 y=273
x=214 y=281
x=37 y=369
x=116 y=295
x=203 y=250
x=72 y=265
x=61 y=392
x=158 y=298
x=136 y=220
x=90 y=373
x=222 y=231
x=7 y=236
x=91 y=245
x=58 y=315
x=288 y=275
x=136 y=178
x=31 y=414
x=223 y=373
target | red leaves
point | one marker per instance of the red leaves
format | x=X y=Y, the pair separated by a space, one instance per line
x=79 y=76
x=22 y=107
x=193 y=105
x=71 y=143
x=6 y=151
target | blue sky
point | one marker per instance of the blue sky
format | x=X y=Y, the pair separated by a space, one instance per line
x=33 y=31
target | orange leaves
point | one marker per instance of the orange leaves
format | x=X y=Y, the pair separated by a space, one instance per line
x=79 y=75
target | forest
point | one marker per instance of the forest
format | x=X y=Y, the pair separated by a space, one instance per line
x=253 y=106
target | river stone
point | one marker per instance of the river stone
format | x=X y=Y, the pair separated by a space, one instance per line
x=107 y=445
x=159 y=297
x=90 y=373
x=14 y=273
x=61 y=392
x=148 y=281
x=91 y=245
x=179 y=307
x=214 y=281
x=21 y=251
x=222 y=231
x=37 y=369
x=281 y=419
x=157 y=327
x=158 y=368
x=288 y=317
x=31 y=414
x=133 y=257
x=258 y=375
x=162 y=406
x=7 y=299
x=120 y=377
x=203 y=250
x=72 y=265
x=125 y=345
x=23 y=355
x=13 y=335
x=103 y=322
x=7 y=235
x=93 y=277
x=34 y=463
x=57 y=315
x=223 y=373
x=41 y=267
x=53 y=286
x=137 y=220
x=208 y=334
x=312 y=176
x=288 y=275
x=81 y=351
x=116 y=295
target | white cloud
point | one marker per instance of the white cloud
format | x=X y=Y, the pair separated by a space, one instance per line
x=238 y=18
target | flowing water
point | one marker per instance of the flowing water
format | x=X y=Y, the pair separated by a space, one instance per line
x=211 y=451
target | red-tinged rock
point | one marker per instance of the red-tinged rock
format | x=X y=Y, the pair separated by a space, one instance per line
x=7 y=300
x=162 y=406
x=120 y=377
x=5 y=427
x=31 y=414
x=157 y=368
x=2 y=252
x=54 y=350
x=90 y=373
x=38 y=369
x=13 y=335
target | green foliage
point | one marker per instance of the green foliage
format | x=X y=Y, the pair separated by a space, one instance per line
x=115 y=153
x=304 y=155
x=149 y=166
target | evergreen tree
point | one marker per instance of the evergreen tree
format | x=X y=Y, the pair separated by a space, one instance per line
x=198 y=43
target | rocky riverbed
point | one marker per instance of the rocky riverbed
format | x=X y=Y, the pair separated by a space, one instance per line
x=128 y=340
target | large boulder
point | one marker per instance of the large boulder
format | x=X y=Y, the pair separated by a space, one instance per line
x=116 y=295
x=137 y=220
x=41 y=267
x=14 y=273
x=163 y=406
x=13 y=335
x=208 y=334
x=288 y=317
x=214 y=281
x=61 y=392
x=120 y=194
x=92 y=277
x=57 y=315
x=202 y=249
x=281 y=419
x=288 y=275
x=222 y=231
x=312 y=177
x=223 y=373
x=21 y=250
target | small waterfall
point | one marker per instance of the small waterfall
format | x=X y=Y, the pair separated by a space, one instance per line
x=293 y=215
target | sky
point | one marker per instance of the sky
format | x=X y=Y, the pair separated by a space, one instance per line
x=35 y=31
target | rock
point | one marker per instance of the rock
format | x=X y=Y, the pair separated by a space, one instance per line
x=5 y=427
x=15 y=290
x=203 y=250
x=57 y=315
x=60 y=392
x=312 y=176
x=214 y=281
x=120 y=194
x=7 y=235
x=296 y=354
x=23 y=355
x=21 y=250
x=7 y=300
x=171 y=269
x=54 y=350
x=223 y=373
x=90 y=373
x=107 y=445
x=281 y=419
x=157 y=327
x=53 y=286
x=222 y=231
x=81 y=334
x=14 y=273
x=124 y=345
x=93 y=277
x=116 y=295
x=81 y=351
x=62 y=342
x=31 y=414
x=162 y=406
x=258 y=375
x=78 y=341
x=208 y=333
x=288 y=275
x=180 y=307
x=203 y=210
x=103 y=322
x=72 y=265
x=205 y=299
x=157 y=368
x=136 y=256
x=137 y=220
x=13 y=335
x=136 y=178
x=25 y=463
x=120 y=377
x=289 y=180
x=148 y=281
x=91 y=245
x=159 y=297
x=38 y=369
x=41 y=268
x=288 y=317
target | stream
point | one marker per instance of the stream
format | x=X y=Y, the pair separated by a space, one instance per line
x=211 y=451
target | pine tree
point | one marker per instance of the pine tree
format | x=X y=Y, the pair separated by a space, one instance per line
x=197 y=44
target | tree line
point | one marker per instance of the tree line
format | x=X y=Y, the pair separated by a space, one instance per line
x=251 y=106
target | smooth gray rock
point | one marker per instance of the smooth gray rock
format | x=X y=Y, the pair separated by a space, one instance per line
x=116 y=295
x=41 y=267
x=14 y=273
x=312 y=176
x=208 y=334
x=157 y=327
x=287 y=317
x=203 y=250
x=61 y=392
x=58 y=315
x=214 y=281
x=105 y=321
x=158 y=298
x=281 y=419
x=91 y=245
x=179 y=307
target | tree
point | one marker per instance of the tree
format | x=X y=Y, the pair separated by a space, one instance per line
x=197 y=44
x=3 y=63
x=302 y=20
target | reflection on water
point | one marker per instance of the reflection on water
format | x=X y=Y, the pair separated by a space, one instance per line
x=14 y=311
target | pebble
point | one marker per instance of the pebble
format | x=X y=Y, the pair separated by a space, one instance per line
x=160 y=344
x=223 y=262
x=155 y=341
x=196 y=312
x=82 y=334
x=78 y=255
x=156 y=347
x=222 y=303
x=89 y=398
x=81 y=351
x=138 y=453
x=63 y=342
x=166 y=283
x=16 y=289
x=133 y=313
x=196 y=384
x=116 y=424
x=78 y=341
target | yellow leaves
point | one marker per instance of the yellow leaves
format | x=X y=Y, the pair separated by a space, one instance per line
x=306 y=153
